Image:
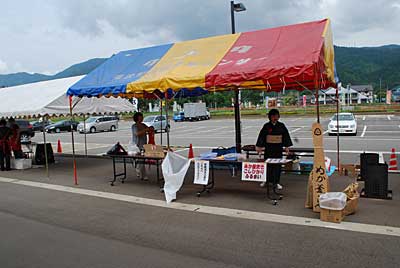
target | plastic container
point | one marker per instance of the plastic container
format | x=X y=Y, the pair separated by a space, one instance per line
x=333 y=200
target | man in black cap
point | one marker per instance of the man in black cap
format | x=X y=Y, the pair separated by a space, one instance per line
x=273 y=138
x=5 y=150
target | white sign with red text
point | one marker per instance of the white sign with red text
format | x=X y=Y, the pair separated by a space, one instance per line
x=254 y=171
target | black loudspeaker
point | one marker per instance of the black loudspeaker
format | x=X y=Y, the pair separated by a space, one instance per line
x=367 y=159
x=40 y=156
x=376 y=182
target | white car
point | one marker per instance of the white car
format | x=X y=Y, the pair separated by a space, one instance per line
x=99 y=123
x=158 y=122
x=347 y=124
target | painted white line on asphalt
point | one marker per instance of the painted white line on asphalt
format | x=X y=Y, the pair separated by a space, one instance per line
x=297 y=129
x=326 y=131
x=363 y=118
x=327 y=151
x=233 y=213
x=364 y=130
x=360 y=152
x=389 y=117
x=381 y=159
x=211 y=130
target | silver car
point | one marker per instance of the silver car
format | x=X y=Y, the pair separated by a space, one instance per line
x=157 y=121
x=99 y=123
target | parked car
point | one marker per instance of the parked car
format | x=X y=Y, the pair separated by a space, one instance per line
x=179 y=116
x=157 y=121
x=25 y=129
x=64 y=125
x=347 y=124
x=98 y=123
x=38 y=125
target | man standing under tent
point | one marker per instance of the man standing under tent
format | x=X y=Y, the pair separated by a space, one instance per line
x=15 y=138
x=139 y=137
x=273 y=137
x=5 y=151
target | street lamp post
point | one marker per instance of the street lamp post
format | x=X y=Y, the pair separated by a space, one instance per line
x=237 y=7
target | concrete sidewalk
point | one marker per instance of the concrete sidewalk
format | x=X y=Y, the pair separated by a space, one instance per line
x=229 y=192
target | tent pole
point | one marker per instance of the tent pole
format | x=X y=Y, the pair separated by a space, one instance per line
x=166 y=116
x=45 y=146
x=237 y=121
x=84 y=131
x=317 y=99
x=337 y=126
x=161 y=133
x=73 y=141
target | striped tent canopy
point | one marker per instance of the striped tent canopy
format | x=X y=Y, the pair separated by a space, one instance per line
x=299 y=56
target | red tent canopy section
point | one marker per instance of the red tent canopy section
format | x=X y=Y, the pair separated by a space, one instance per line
x=293 y=57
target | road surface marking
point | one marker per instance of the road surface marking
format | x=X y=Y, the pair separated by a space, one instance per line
x=364 y=130
x=297 y=129
x=381 y=159
x=363 y=118
x=219 y=211
x=389 y=117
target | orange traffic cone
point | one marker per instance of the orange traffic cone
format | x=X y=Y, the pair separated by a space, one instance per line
x=393 y=161
x=191 y=154
x=59 y=149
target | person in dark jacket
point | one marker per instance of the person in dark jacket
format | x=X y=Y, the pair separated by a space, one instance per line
x=5 y=150
x=273 y=139
x=15 y=139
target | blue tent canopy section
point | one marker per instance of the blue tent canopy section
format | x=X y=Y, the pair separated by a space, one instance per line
x=111 y=77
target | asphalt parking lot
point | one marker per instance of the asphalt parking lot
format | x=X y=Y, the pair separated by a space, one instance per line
x=375 y=133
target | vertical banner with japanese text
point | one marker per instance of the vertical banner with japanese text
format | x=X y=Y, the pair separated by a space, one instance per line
x=254 y=171
x=201 y=172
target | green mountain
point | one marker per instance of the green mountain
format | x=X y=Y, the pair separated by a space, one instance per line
x=80 y=68
x=9 y=80
x=369 y=65
x=354 y=65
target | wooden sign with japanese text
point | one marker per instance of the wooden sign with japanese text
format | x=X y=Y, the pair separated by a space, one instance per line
x=254 y=171
x=201 y=172
x=318 y=182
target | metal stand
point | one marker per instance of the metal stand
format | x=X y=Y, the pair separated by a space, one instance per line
x=275 y=195
x=210 y=185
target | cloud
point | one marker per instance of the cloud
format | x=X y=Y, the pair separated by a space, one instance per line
x=3 y=67
x=56 y=34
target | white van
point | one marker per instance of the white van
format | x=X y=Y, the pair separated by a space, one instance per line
x=99 y=123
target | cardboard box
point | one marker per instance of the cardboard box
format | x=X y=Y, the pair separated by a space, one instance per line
x=153 y=150
x=21 y=163
x=330 y=215
x=351 y=205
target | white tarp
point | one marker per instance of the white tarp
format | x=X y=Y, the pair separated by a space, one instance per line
x=174 y=168
x=49 y=97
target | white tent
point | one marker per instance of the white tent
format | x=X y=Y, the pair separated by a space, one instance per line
x=49 y=98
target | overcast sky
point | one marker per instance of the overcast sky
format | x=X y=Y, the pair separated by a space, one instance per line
x=47 y=36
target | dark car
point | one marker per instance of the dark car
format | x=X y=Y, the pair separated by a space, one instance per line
x=38 y=126
x=25 y=129
x=64 y=125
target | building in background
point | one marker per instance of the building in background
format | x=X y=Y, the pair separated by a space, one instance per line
x=365 y=90
x=347 y=96
x=395 y=94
